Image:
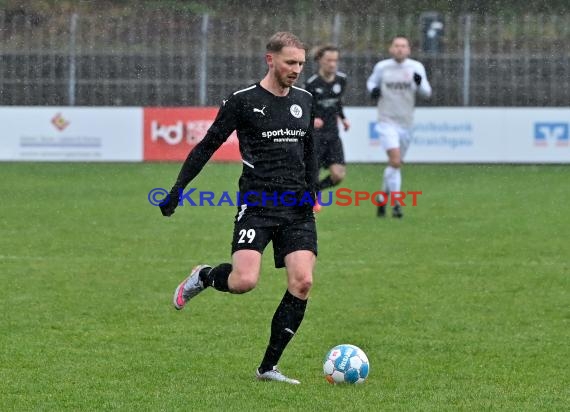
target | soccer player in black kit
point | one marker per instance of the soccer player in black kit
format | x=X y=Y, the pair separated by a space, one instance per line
x=327 y=87
x=274 y=122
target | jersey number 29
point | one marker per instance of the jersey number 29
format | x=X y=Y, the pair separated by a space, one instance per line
x=250 y=233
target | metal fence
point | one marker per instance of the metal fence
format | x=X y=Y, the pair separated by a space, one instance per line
x=175 y=59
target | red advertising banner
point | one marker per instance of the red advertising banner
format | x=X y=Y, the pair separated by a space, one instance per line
x=170 y=133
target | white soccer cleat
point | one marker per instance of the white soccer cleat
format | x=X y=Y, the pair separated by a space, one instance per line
x=275 y=375
x=189 y=288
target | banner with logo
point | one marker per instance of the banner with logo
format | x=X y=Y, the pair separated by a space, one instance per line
x=450 y=135
x=71 y=134
x=537 y=135
x=170 y=133
x=466 y=135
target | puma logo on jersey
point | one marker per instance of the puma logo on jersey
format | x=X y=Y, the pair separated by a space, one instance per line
x=255 y=110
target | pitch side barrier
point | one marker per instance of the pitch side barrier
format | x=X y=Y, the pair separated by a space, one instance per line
x=135 y=134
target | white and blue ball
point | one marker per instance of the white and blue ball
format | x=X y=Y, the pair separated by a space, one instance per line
x=346 y=364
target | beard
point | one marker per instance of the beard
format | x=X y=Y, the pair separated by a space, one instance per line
x=287 y=81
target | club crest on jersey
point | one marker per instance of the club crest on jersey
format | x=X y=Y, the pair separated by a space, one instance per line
x=336 y=88
x=296 y=111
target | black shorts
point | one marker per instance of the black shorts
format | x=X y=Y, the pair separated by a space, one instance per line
x=329 y=148
x=290 y=229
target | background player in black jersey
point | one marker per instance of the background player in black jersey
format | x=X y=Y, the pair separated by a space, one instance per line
x=274 y=122
x=327 y=87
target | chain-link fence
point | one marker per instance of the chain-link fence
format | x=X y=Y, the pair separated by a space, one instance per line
x=173 y=59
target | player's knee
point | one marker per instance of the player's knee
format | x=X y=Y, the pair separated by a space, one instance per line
x=243 y=282
x=302 y=285
x=396 y=163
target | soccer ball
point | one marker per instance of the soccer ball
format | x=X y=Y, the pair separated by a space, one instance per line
x=346 y=364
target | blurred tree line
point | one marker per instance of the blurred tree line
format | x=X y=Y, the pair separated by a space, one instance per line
x=228 y=7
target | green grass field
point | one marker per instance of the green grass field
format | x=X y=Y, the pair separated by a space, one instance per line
x=462 y=305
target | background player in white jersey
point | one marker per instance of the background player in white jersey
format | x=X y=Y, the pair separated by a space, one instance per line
x=395 y=83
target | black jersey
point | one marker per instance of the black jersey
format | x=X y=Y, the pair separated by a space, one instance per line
x=275 y=140
x=328 y=99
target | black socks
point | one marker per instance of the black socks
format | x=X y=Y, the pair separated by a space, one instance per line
x=286 y=321
x=217 y=277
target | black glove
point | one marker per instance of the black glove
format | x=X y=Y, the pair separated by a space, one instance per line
x=375 y=93
x=417 y=79
x=169 y=204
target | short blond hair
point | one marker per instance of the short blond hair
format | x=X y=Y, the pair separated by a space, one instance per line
x=283 y=39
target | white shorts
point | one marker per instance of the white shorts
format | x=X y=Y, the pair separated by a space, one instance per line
x=393 y=136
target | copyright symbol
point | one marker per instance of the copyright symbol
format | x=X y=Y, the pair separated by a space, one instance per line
x=158 y=196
